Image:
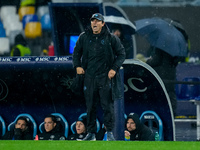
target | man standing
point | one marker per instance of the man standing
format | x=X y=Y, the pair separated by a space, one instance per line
x=99 y=54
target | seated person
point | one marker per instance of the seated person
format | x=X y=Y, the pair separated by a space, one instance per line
x=20 y=132
x=53 y=130
x=81 y=131
x=136 y=131
x=20 y=48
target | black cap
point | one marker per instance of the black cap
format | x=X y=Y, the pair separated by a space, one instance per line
x=97 y=16
x=83 y=120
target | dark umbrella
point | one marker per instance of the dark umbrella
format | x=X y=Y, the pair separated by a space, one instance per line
x=163 y=35
x=178 y=26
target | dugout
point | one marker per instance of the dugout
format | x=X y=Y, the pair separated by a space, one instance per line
x=41 y=85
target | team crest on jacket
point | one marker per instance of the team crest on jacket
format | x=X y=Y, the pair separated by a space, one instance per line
x=62 y=138
x=52 y=136
x=103 y=42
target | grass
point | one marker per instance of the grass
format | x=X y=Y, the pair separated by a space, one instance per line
x=97 y=145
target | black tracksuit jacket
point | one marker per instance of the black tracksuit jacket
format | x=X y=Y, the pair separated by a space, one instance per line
x=114 y=54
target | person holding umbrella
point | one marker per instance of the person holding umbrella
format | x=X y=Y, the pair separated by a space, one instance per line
x=165 y=65
x=168 y=47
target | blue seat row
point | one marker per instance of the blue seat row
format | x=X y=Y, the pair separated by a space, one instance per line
x=45 y=20
x=60 y=118
x=149 y=118
x=188 y=91
x=2 y=30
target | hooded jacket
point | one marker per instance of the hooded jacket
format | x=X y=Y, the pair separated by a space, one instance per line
x=142 y=132
x=114 y=55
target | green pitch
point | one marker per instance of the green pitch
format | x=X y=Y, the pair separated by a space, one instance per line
x=97 y=145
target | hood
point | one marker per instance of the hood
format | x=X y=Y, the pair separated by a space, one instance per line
x=19 y=39
x=136 y=119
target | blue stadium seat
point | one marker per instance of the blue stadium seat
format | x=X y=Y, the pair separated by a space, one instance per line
x=73 y=125
x=2 y=127
x=153 y=121
x=29 y=18
x=46 y=22
x=61 y=119
x=2 y=32
x=29 y=119
x=189 y=91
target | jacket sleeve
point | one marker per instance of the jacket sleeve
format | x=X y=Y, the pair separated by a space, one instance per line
x=19 y=135
x=147 y=134
x=119 y=52
x=78 y=52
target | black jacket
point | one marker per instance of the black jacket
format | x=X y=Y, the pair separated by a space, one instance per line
x=142 y=132
x=17 y=134
x=52 y=135
x=114 y=55
x=165 y=65
x=76 y=136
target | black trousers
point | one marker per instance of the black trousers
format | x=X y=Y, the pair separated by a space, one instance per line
x=98 y=89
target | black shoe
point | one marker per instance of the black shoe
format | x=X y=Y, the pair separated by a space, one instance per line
x=90 y=137
x=110 y=136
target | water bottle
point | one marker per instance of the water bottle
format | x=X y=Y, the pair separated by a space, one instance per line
x=105 y=137
x=157 y=138
x=127 y=138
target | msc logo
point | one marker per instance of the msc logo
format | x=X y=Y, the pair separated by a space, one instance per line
x=132 y=86
x=42 y=59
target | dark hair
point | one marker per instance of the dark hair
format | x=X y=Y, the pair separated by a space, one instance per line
x=53 y=118
x=23 y=118
x=19 y=39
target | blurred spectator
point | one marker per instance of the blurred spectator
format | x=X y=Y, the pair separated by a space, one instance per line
x=21 y=48
x=20 y=132
x=81 y=131
x=53 y=130
x=136 y=131
x=141 y=57
x=165 y=65
x=117 y=30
